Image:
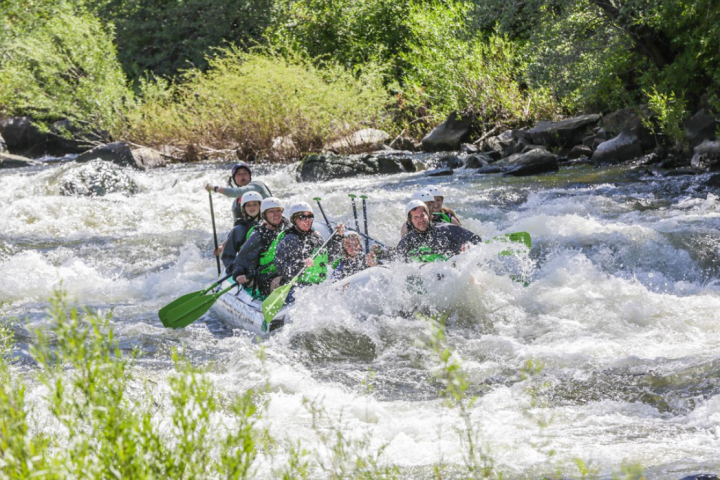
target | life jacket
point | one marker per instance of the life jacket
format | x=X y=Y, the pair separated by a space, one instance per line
x=425 y=254
x=318 y=272
x=441 y=217
x=267 y=258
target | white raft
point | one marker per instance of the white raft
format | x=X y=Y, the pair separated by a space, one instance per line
x=238 y=309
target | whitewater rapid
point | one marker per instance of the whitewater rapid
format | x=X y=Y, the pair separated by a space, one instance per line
x=622 y=310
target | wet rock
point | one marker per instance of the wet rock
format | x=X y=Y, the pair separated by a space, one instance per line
x=96 y=178
x=504 y=144
x=8 y=160
x=701 y=476
x=3 y=145
x=625 y=146
x=580 y=151
x=469 y=148
x=679 y=172
x=624 y=119
x=713 y=181
x=565 y=132
x=122 y=155
x=325 y=166
x=450 y=161
x=439 y=172
x=490 y=169
x=706 y=155
x=64 y=138
x=700 y=127
x=534 y=162
x=528 y=148
x=403 y=143
x=448 y=135
x=21 y=134
x=365 y=140
x=478 y=160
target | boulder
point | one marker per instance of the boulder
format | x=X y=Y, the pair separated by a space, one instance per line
x=8 y=160
x=121 y=154
x=450 y=161
x=96 y=178
x=625 y=146
x=326 y=166
x=706 y=156
x=504 y=143
x=490 y=169
x=283 y=148
x=403 y=143
x=469 y=148
x=620 y=120
x=439 y=172
x=64 y=138
x=448 y=135
x=528 y=148
x=533 y=162
x=365 y=140
x=580 y=151
x=3 y=145
x=478 y=160
x=713 y=181
x=700 y=127
x=21 y=134
x=566 y=132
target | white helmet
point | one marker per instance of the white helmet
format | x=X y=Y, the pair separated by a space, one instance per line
x=250 y=197
x=435 y=191
x=300 y=207
x=270 y=202
x=423 y=196
x=415 y=204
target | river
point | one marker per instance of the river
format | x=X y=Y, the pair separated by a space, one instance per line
x=619 y=323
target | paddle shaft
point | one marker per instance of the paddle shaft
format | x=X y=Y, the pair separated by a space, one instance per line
x=212 y=215
x=327 y=222
x=367 y=236
x=357 y=224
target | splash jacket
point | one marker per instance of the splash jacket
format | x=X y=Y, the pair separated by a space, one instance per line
x=255 y=258
x=439 y=242
x=296 y=246
x=347 y=266
x=237 y=193
x=236 y=239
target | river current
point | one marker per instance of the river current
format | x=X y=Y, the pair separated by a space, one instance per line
x=620 y=320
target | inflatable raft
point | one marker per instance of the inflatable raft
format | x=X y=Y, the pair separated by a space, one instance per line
x=240 y=310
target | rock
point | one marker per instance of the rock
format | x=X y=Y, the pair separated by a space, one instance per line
x=533 y=162
x=504 y=144
x=620 y=120
x=403 y=143
x=678 y=172
x=439 y=172
x=701 y=476
x=8 y=160
x=528 y=148
x=121 y=154
x=3 y=145
x=706 y=155
x=283 y=148
x=63 y=137
x=325 y=166
x=21 y=134
x=450 y=161
x=448 y=135
x=713 y=181
x=477 y=160
x=494 y=155
x=469 y=148
x=365 y=140
x=700 y=127
x=490 y=169
x=625 y=146
x=565 y=132
x=580 y=151
x=96 y=178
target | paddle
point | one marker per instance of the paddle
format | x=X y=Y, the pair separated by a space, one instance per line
x=517 y=237
x=357 y=224
x=212 y=215
x=276 y=300
x=329 y=224
x=185 y=314
x=164 y=313
x=367 y=236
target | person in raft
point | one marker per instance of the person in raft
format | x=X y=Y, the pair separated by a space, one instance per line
x=353 y=260
x=439 y=212
x=428 y=241
x=429 y=202
x=253 y=266
x=241 y=177
x=249 y=218
x=299 y=243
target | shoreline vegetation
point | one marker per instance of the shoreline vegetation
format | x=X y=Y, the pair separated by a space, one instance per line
x=86 y=410
x=274 y=80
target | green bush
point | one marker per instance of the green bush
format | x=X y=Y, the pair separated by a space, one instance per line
x=64 y=66
x=245 y=100
x=451 y=70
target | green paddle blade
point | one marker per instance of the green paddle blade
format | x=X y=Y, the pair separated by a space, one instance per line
x=275 y=301
x=517 y=237
x=185 y=314
x=163 y=313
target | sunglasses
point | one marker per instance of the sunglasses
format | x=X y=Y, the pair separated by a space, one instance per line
x=306 y=217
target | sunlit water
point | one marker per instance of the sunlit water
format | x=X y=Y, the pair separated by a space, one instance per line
x=622 y=310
